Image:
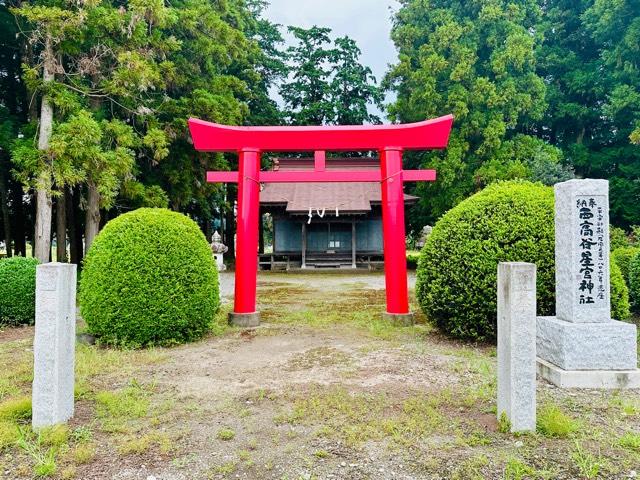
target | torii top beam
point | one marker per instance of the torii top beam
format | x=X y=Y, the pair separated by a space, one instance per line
x=427 y=135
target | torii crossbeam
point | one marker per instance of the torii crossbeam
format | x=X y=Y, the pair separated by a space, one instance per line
x=389 y=140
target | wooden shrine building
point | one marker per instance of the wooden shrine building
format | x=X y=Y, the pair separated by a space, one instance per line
x=324 y=225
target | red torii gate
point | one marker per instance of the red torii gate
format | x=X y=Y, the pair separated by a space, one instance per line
x=389 y=140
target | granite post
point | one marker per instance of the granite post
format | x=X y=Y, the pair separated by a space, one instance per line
x=582 y=346
x=54 y=344
x=517 y=345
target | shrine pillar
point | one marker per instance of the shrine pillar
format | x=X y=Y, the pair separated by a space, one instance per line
x=394 y=241
x=244 y=312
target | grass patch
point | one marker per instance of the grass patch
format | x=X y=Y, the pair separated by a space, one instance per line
x=83 y=453
x=131 y=402
x=16 y=409
x=630 y=441
x=516 y=469
x=225 y=434
x=54 y=436
x=9 y=434
x=553 y=422
x=587 y=464
x=360 y=417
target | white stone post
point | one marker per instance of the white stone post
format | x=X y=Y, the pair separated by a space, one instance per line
x=582 y=346
x=54 y=344
x=517 y=345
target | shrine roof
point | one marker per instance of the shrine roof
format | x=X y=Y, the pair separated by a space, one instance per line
x=354 y=198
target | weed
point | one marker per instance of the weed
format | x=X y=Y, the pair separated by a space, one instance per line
x=54 y=436
x=68 y=473
x=83 y=453
x=471 y=469
x=226 y=468
x=553 y=422
x=588 y=465
x=82 y=434
x=139 y=445
x=16 y=409
x=131 y=402
x=225 y=434
x=518 y=470
x=321 y=454
x=9 y=434
x=504 y=425
x=631 y=441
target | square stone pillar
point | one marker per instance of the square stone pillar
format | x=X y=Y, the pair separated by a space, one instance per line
x=582 y=251
x=583 y=337
x=517 y=345
x=54 y=344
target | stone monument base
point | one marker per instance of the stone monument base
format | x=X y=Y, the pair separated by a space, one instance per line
x=400 y=319
x=611 y=379
x=244 y=320
x=599 y=346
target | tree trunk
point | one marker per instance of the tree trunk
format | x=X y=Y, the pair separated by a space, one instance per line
x=42 y=236
x=61 y=227
x=74 y=215
x=71 y=226
x=92 y=226
x=4 y=201
x=19 y=240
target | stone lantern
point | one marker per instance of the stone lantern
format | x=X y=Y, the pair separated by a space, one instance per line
x=218 y=249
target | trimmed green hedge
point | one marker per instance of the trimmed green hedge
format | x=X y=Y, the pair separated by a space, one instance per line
x=620 y=308
x=622 y=257
x=149 y=279
x=18 y=290
x=506 y=222
x=634 y=280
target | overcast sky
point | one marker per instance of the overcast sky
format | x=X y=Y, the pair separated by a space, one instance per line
x=368 y=22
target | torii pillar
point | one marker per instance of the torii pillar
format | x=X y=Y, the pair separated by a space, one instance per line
x=389 y=140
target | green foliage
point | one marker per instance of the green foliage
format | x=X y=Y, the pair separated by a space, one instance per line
x=477 y=61
x=634 y=279
x=328 y=85
x=457 y=274
x=622 y=257
x=225 y=434
x=553 y=422
x=620 y=305
x=17 y=290
x=9 y=434
x=504 y=425
x=617 y=238
x=412 y=260
x=631 y=441
x=149 y=278
x=588 y=58
x=16 y=409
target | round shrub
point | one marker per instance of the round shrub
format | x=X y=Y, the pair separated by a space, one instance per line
x=149 y=279
x=18 y=290
x=457 y=273
x=620 y=308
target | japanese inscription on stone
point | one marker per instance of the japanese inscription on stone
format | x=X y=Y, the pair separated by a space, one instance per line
x=591 y=282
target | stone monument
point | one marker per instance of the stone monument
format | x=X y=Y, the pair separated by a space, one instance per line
x=517 y=345
x=582 y=346
x=218 y=249
x=54 y=344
